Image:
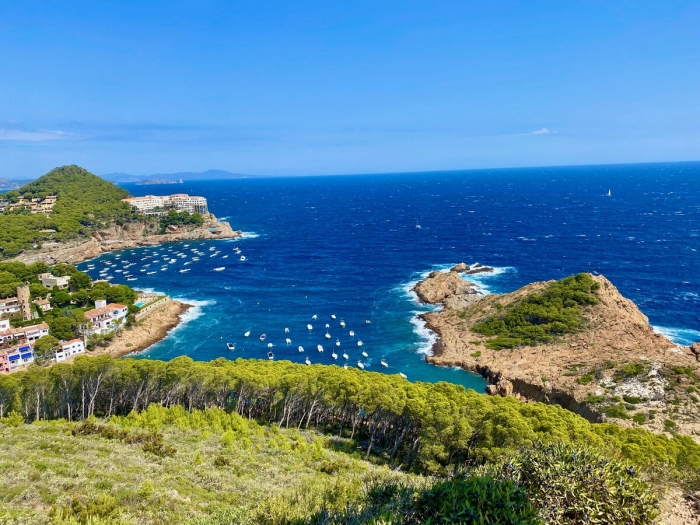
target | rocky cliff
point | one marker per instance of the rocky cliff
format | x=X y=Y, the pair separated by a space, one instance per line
x=127 y=236
x=615 y=367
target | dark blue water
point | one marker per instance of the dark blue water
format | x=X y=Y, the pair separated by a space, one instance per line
x=349 y=246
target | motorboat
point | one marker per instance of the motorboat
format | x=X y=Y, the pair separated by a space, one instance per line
x=270 y=356
x=334 y=355
x=230 y=346
x=364 y=354
x=307 y=361
x=220 y=268
x=301 y=349
x=360 y=365
x=359 y=343
x=262 y=337
x=319 y=348
x=246 y=334
x=384 y=363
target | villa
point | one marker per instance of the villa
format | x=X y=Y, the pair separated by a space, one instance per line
x=161 y=204
x=15 y=358
x=106 y=317
x=9 y=306
x=49 y=281
x=69 y=349
x=34 y=205
x=24 y=335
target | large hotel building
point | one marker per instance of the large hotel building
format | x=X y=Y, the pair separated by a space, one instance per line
x=161 y=204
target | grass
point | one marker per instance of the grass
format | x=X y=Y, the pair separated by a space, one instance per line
x=49 y=475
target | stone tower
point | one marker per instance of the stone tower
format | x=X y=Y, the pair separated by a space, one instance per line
x=25 y=303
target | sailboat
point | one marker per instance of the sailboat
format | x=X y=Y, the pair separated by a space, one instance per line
x=609 y=194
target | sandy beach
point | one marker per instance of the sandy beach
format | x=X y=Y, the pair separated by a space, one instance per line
x=151 y=330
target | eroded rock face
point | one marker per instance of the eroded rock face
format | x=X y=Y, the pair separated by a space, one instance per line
x=441 y=286
x=121 y=237
x=460 y=268
x=695 y=349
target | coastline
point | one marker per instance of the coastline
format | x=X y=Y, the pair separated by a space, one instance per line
x=120 y=238
x=150 y=331
x=573 y=369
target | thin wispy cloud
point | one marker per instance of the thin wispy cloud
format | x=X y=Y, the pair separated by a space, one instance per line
x=36 y=136
x=542 y=131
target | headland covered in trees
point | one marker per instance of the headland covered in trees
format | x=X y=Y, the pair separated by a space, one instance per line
x=87 y=218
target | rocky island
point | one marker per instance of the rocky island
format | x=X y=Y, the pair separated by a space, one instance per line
x=577 y=343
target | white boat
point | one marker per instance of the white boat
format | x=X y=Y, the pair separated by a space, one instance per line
x=289 y=341
x=246 y=334
x=150 y=273
x=188 y=262
x=262 y=337
x=225 y=257
x=319 y=348
x=242 y=258
x=352 y=334
x=342 y=324
x=384 y=363
x=118 y=271
x=360 y=365
x=403 y=375
x=309 y=327
x=345 y=366
x=211 y=249
x=364 y=354
x=418 y=226
x=367 y=321
x=346 y=356
x=609 y=194
x=359 y=343
x=270 y=356
x=337 y=342
x=270 y=345
x=185 y=270
x=307 y=361
x=131 y=278
x=142 y=270
x=334 y=355
x=332 y=316
x=301 y=349
x=220 y=268
x=314 y=317
x=327 y=326
x=230 y=346
x=286 y=330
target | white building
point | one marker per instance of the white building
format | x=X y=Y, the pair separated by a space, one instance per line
x=27 y=334
x=159 y=204
x=69 y=349
x=106 y=317
x=9 y=306
x=49 y=281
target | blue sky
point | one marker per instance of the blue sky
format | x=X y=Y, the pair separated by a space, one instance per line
x=345 y=87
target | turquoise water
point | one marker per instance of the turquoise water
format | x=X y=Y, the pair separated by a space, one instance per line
x=349 y=246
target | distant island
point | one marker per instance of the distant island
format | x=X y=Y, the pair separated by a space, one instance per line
x=158 y=181
x=127 y=178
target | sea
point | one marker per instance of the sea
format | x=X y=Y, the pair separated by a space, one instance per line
x=324 y=250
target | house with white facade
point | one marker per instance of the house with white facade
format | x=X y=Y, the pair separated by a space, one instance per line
x=9 y=306
x=24 y=335
x=69 y=349
x=160 y=204
x=49 y=281
x=105 y=318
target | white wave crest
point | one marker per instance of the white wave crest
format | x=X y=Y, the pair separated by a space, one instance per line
x=427 y=336
x=681 y=336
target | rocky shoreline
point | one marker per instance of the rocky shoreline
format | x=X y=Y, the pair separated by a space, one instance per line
x=123 y=237
x=576 y=369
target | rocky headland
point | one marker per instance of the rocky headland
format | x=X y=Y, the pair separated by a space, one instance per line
x=614 y=367
x=130 y=235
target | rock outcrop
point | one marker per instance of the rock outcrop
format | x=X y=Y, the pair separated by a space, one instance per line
x=615 y=367
x=129 y=235
x=446 y=287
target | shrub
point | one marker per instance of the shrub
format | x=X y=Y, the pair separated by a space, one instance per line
x=478 y=500
x=594 y=400
x=617 y=411
x=629 y=370
x=580 y=486
x=585 y=379
x=539 y=318
x=669 y=424
x=639 y=418
x=632 y=399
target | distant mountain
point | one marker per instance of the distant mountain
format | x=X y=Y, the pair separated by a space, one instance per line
x=184 y=175
x=7 y=184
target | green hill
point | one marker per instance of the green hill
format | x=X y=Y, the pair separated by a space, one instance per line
x=85 y=202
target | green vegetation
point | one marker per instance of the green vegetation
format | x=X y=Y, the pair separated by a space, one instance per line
x=68 y=310
x=629 y=370
x=180 y=218
x=84 y=202
x=540 y=317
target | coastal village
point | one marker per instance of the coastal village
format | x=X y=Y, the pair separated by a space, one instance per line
x=22 y=322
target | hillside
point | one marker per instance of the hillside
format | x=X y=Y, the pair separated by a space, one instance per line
x=87 y=219
x=276 y=442
x=576 y=342
x=84 y=203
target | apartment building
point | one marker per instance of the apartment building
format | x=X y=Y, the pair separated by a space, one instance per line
x=106 y=317
x=24 y=335
x=16 y=358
